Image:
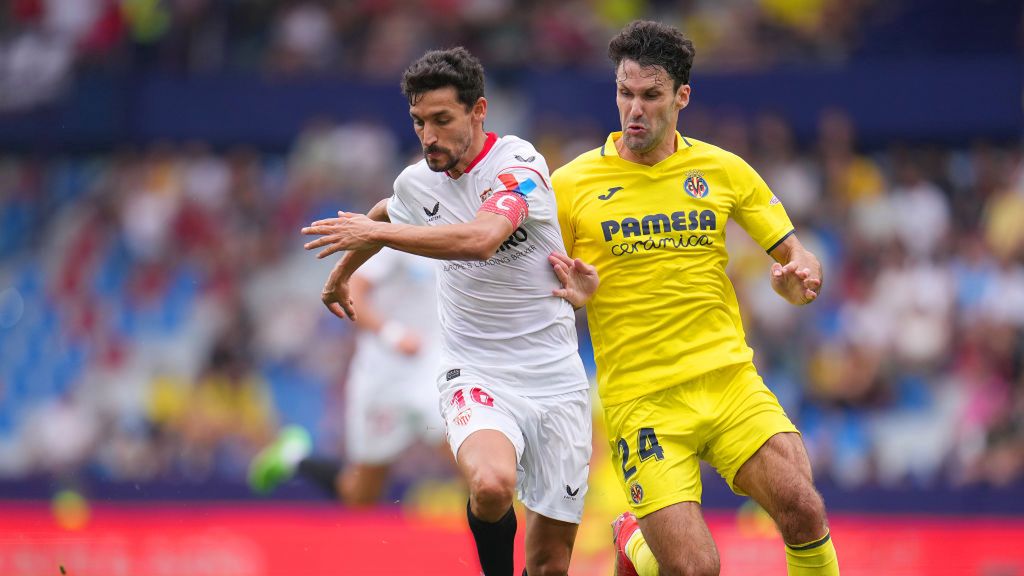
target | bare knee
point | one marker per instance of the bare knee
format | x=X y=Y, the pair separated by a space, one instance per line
x=702 y=563
x=490 y=494
x=801 y=518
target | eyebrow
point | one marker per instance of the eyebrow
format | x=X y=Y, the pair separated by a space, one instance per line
x=651 y=88
x=434 y=115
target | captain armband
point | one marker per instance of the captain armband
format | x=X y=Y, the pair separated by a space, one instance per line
x=508 y=204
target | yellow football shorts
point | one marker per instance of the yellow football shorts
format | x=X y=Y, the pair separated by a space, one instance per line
x=657 y=441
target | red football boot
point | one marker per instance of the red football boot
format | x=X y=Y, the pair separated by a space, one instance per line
x=622 y=528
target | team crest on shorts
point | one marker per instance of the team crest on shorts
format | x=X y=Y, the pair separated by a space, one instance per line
x=636 y=492
x=695 y=184
x=462 y=418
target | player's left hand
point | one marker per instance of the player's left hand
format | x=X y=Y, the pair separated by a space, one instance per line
x=349 y=231
x=579 y=279
x=798 y=284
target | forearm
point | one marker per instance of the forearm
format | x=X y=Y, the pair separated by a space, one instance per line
x=353 y=259
x=379 y=212
x=349 y=263
x=792 y=250
x=468 y=241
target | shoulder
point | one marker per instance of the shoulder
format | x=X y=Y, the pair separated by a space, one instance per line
x=717 y=155
x=415 y=174
x=511 y=145
x=512 y=151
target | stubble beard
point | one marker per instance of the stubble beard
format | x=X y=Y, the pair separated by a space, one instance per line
x=639 y=145
x=453 y=159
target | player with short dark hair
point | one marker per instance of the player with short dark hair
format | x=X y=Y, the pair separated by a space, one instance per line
x=649 y=209
x=514 y=393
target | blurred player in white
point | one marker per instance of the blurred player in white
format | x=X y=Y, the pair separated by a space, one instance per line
x=514 y=393
x=391 y=399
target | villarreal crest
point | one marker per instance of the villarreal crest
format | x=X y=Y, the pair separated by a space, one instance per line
x=695 y=184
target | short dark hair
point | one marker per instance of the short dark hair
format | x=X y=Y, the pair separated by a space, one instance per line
x=654 y=44
x=454 y=67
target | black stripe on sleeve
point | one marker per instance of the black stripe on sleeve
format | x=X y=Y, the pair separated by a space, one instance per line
x=781 y=240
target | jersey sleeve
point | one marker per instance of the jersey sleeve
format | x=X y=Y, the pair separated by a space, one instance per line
x=526 y=173
x=398 y=208
x=564 y=188
x=757 y=209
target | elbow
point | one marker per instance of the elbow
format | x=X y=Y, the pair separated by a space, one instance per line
x=483 y=246
x=482 y=251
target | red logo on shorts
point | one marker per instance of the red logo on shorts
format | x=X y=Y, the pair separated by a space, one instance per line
x=462 y=418
x=636 y=492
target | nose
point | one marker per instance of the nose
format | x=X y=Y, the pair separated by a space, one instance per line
x=636 y=109
x=429 y=137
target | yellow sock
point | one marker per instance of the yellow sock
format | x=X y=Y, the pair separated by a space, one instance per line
x=640 y=553
x=816 y=558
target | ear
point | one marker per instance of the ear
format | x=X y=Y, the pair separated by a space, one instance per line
x=479 y=111
x=682 y=96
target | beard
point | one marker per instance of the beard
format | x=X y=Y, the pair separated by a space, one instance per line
x=448 y=159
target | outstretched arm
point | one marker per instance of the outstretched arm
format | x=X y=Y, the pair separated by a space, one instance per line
x=335 y=294
x=796 y=273
x=478 y=239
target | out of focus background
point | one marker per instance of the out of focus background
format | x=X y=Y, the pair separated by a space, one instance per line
x=159 y=320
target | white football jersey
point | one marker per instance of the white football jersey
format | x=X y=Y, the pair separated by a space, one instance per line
x=404 y=290
x=498 y=316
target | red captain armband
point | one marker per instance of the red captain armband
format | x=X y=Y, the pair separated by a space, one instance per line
x=508 y=204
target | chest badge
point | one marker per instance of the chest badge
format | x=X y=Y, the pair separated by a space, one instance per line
x=695 y=184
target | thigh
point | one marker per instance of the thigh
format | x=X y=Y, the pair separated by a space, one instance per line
x=654 y=442
x=556 y=462
x=747 y=415
x=487 y=454
x=549 y=543
x=474 y=407
x=778 y=474
x=680 y=539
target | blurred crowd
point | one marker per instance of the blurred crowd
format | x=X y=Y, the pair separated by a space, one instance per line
x=42 y=42
x=159 y=318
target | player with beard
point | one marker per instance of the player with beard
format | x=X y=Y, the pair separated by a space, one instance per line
x=514 y=394
x=675 y=375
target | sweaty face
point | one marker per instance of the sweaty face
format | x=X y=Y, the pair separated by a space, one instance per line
x=444 y=127
x=648 y=105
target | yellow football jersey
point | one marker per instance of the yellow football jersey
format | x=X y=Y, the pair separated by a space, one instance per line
x=665 y=312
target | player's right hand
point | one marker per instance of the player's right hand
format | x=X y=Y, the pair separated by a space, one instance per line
x=336 y=297
x=579 y=280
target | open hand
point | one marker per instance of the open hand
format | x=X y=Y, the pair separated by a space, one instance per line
x=797 y=284
x=335 y=296
x=349 y=231
x=579 y=279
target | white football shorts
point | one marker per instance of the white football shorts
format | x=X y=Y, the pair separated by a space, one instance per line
x=551 y=434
